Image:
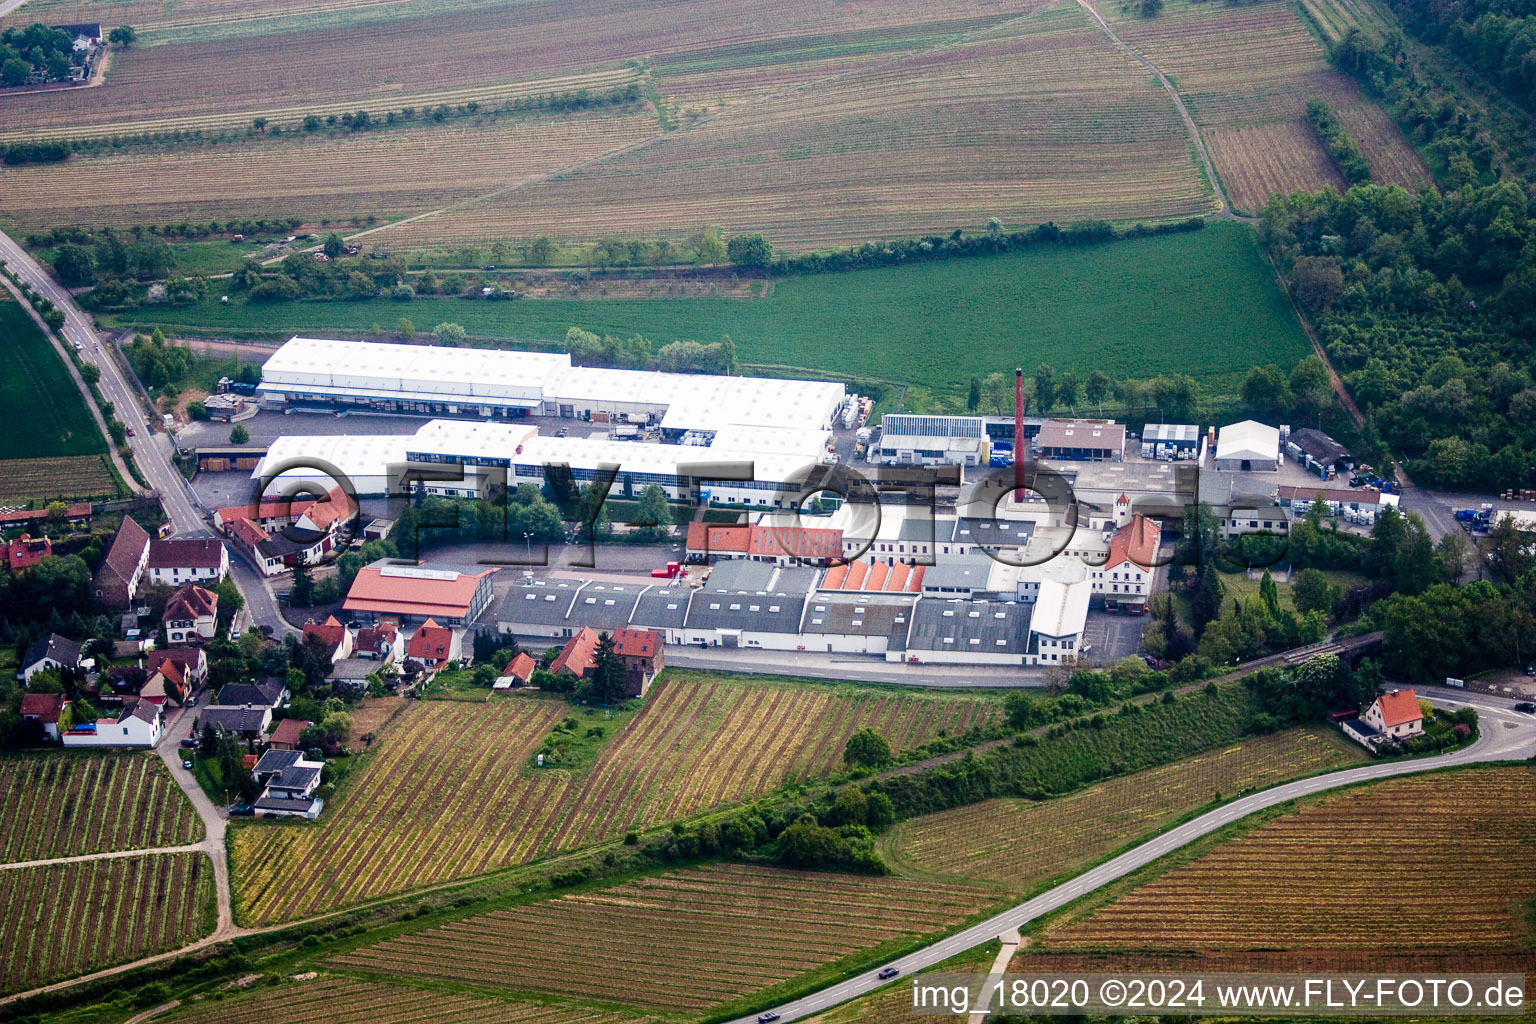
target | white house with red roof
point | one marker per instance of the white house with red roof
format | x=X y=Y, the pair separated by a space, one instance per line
x=433 y=646
x=1395 y=714
x=191 y=615
x=517 y=672
x=45 y=709
x=198 y=560
x=1125 y=579
x=138 y=725
x=336 y=637
x=184 y=668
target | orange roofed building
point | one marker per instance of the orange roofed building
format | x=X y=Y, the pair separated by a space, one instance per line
x=432 y=646
x=781 y=545
x=1395 y=714
x=452 y=595
x=1125 y=579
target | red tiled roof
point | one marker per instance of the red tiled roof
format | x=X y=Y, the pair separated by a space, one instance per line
x=182 y=658
x=521 y=667
x=191 y=602
x=334 y=508
x=127 y=546
x=197 y=553
x=330 y=631
x=861 y=574
x=246 y=531
x=369 y=638
x=915 y=581
x=636 y=643
x=576 y=657
x=264 y=510
x=713 y=537
x=795 y=541
x=403 y=595
x=1135 y=542
x=45 y=707
x=288 y=730
x=431 y=643
x=79 y=510
x=1399 y=708
x=27 y=551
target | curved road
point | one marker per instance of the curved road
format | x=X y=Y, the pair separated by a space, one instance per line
x=1506 y=735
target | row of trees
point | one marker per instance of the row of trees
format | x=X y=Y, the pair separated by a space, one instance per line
x=1174 y=395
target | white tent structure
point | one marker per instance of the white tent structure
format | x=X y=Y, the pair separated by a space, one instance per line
x=1248 y=446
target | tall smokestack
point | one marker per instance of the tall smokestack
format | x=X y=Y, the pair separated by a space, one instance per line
x=1018 y=433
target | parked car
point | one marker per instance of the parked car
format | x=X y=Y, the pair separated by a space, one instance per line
x=242 y=811
x=1526 y=707
x=187 y=765
x=188 y=742
x=889 y=972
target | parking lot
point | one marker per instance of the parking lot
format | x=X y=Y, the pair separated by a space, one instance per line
x=1111 y=636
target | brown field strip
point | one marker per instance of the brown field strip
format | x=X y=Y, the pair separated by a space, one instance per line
x=1273 y=157
x=58 y=476
x=674 y=941
x=473 y=806
x=1022 y=842
x=71 y=804
x=383 y=173
x=65 y=919
x=1040 y=120
x=332 y=1000
x=1431 y=865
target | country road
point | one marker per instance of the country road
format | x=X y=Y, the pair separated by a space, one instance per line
x=1506 y=735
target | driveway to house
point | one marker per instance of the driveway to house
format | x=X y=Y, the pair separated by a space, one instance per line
x=1505 y=735
x=214 y=817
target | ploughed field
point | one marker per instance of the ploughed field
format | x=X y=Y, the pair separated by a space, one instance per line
x=1433 y=871
x=64 y=919
x=450 y=792
x=1023 y=842
x=685 y=940
x=68 y=805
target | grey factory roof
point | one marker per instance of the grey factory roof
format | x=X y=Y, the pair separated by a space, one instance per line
x=993 y=627
x=759 y=613
x=662 y=608
x=923 y=529
x=959 y=572
x=606 y=605
x=743 y=576
x=1163 y=433
x=871 y=615
x=540 y=603
x=994 y=533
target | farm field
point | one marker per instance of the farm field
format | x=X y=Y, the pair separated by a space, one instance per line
x=387 y=173
x=69 y=805
x=1204 y=303
x=64 y=476
x=66 y=919
x=684 y=927
x=46 y=414
x=1040 y=119
x=1022 y=842
x=1432 y=866
x=1247 y=72
x=698 y=742
x=338 y=1000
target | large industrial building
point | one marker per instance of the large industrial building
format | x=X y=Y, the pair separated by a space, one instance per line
x=774 y=430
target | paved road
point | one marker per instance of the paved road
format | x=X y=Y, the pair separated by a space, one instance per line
x=1506 y=735
x=259 y=599
x=213 y=816
x=152 y=451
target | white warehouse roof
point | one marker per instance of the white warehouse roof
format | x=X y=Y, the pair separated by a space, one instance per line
x=1248 y=439
x=1061 y=610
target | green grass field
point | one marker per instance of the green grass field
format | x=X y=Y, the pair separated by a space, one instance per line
x=1203 y=303
x=45 y=414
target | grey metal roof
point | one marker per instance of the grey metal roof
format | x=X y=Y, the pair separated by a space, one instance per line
x=255 y=694
x=277 y=760
x=541 y=603
x=606 y=605
x=662 y=608
x=232 y=719
x=1163 y=433
x=926 y=529
x=995 y=626
x=294 y=777
x=354 y=668
x=875 y=615
x=744 y=576
x=994 y=533
x=760 y=613
x=60 y=648
x=959 y=572
x=279 y=803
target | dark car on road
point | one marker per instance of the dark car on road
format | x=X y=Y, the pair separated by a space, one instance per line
x=188 y=742
x=889 y=972
x=1526 y=707
x=767 y=1018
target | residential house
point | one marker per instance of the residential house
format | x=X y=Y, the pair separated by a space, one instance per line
x=517 y=672
x=1395 y=714
x=266 y=515
x=45 y=709
x=330 y=515
x=381 y=642
x=286 y=735
x=245 y=721
x=290 y=792
x=273 y=553
x=579 y=655
x=184 y=667
x=336 y=637
x=268 y=692
x=52 y=651
x=25 y=552
x=433 y=646
x=191 y=615
x=138 y=725
x=1124 y=581
x=199 y=560
x=641 y=652
x=75 y=515
x=277 y=760
x=121 y=571
x=352 y=673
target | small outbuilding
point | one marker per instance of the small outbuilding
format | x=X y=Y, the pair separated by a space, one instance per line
x=1248 y=446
